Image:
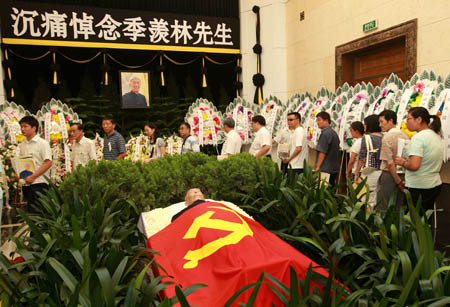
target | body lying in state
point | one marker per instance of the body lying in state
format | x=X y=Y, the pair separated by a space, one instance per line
x=155 y=220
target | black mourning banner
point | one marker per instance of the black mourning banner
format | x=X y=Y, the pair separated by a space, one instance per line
x=43 y=24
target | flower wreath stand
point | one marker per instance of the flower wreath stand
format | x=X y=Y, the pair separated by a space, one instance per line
x=387 y=91
x=417 y=92
x=360 y=99
x=173 y=144
x=56 y=118
x=270 y=109
x=338 y=105
x=206 y=122
x=10 y=136
x=137 y=148
x=242 y=112
x=323 y=102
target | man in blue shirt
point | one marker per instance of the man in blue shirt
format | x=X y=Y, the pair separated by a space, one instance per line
x=190 y=143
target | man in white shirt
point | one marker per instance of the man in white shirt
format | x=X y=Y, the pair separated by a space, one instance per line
x=298 y=150
x=233 y=142
x=263 y=140
x=83 y=149
x=39 y=151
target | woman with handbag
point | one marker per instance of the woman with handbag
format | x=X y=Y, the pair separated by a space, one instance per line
x=425 y=155
x=369 y=157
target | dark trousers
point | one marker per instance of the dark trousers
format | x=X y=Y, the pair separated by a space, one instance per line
x=30 y=193
x=284 y=167
x=294 y=171
x=333 y=179
x=428 y=198
x=385 y=190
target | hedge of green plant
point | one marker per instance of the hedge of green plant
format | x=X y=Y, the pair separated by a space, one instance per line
x=385 y=259
x=166 y=181
x=86 y=249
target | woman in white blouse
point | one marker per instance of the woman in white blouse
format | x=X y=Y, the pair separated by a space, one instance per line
x=157 y=146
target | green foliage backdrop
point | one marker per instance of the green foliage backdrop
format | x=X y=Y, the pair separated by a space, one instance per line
x=166 y=181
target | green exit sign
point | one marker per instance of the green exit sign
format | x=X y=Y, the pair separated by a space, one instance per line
x=370 y=26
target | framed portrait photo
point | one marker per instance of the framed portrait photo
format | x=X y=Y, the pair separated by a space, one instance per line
x=24 y=167
x=135 y=89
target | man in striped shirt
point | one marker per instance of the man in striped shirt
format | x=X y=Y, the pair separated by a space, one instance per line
x=190 y=143
x=114 y=144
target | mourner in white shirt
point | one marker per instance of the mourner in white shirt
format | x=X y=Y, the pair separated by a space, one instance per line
x=263 y=140
x=233 y=141
x=83 y=149
x=39 y=151
x=298 y=144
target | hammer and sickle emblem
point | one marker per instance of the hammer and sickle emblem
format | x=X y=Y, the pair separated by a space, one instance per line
x=238 y=232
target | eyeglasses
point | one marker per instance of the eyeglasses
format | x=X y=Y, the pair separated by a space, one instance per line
x=291 y=119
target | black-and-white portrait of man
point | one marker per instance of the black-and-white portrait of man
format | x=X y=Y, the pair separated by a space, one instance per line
x=135 y=93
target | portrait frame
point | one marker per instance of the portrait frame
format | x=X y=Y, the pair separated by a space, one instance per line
x=133 y=96
x=23 y=167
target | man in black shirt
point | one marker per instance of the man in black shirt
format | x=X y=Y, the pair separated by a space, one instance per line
x=133 y=99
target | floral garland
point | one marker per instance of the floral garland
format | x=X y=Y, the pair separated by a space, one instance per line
x=380 y=104
x=242 y=117
x=11 y=116
x=137 y=148
x=336 y=109
x=173 y=144
x=444 y=114
x=55 y=129
x=60 y=159
x=354 y=112
x=358 y=106
x=442 y=105
x=56 y=118
x=7 y=152
x=98 y=140
x=205 y=122
x=269 y=111
x=206 y=126
x=414 y=100
x=312 y=124
x=242 y=113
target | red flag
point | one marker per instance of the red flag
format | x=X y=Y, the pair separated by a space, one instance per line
x=214 y=245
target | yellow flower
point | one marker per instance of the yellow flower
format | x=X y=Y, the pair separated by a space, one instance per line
x=208 y=132
x=20 y=138
x=56 y=136
x=55 y=118
x=417 y=102
x=405 y=130
x=204 y=115
x=67 y=126
x=14 y=119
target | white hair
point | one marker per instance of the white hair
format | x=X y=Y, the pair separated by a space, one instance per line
x=133 y=78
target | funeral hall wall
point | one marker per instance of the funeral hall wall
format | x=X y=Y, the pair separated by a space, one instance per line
x=329 y=23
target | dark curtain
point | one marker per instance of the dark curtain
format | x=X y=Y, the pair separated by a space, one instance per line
x=216 y=8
